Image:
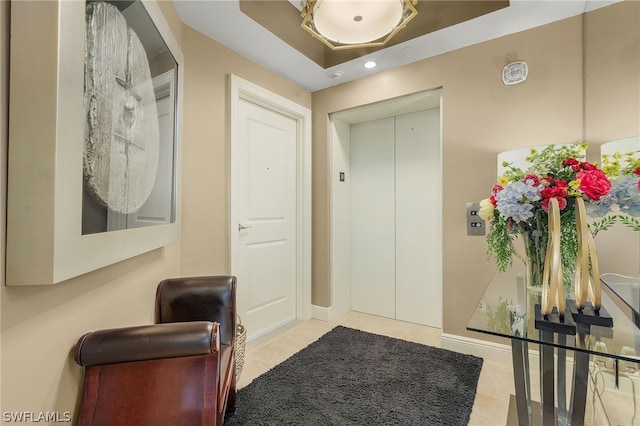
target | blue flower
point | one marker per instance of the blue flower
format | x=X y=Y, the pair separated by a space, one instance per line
x=601 y=207
x=628 y=196
x=514 y=201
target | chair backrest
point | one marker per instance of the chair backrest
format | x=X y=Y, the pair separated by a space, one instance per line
x=205 y=298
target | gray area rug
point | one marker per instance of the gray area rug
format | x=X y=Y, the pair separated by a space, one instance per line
x=350 y=377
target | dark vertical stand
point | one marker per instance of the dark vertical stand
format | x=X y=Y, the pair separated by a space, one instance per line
x=522 y=379
x=550 y=326
x=584 y=319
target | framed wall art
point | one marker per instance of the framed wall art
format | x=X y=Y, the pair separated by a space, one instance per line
x=94 y=134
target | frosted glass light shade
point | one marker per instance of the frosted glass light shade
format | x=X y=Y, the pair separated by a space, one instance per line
x=351 y=24
x=356 y=21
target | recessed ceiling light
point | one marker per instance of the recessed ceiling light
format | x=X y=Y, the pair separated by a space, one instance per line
x=370 y=64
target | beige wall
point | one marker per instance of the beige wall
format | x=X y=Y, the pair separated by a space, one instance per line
x=612 y=73
x=40 y=325
x=482 y=117
x=205 y=239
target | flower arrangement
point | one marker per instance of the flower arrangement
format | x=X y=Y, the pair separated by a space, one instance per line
x=624 y=199
x=519 y=202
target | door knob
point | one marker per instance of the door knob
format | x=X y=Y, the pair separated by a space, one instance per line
x=241 y=227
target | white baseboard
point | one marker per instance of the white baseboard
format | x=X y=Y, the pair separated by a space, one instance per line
x=254 y=339
x=490 y=351
x=321 y=313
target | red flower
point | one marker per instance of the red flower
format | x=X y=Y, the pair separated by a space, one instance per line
x=534 y=178
x=637 y=172
x=546 y=181
x=561 y=184
x=552 y=192
x=588 y=166
x=594 y=184
x=573 y=163
x=557 y=191
x=562 y=203
x=494 y=191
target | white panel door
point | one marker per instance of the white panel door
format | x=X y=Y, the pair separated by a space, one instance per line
x=373 y=218
x=158 y=208
x=266 y=207
x=418 y=218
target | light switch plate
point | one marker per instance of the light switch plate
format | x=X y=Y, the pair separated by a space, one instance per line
x=475 y=225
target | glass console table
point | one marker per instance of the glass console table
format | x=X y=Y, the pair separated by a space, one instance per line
x=628 y=290
x=507 y=309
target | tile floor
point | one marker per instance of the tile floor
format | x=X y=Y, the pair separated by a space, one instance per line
x=494 y=387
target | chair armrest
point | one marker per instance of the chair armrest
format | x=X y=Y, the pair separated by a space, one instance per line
x=147 y=342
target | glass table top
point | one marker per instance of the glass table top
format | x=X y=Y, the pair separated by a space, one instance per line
x=507 y=309
x=626 y=288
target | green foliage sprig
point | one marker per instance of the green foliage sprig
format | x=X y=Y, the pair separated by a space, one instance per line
x=500 y=243
x=603 y=224
x=629 y=221
x=618 y=164
x=548 y=161
x=499 y=321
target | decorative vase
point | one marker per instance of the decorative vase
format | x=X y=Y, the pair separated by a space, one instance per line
x=535 y=237
x=534 y=295
x=543 y=241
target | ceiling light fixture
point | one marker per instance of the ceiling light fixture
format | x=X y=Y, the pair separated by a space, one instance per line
x=349 y=24
x=370 y=64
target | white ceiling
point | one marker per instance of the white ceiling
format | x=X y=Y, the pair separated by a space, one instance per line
x=222 y=21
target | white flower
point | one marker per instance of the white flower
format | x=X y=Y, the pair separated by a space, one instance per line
x=486 y=209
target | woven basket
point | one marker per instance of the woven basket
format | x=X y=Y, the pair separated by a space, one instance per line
x=241 y=340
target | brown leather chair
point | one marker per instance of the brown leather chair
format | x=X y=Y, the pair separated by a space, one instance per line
x=161 y=374
x=206 y=298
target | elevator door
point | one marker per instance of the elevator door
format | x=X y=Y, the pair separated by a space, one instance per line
x=395 y=217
